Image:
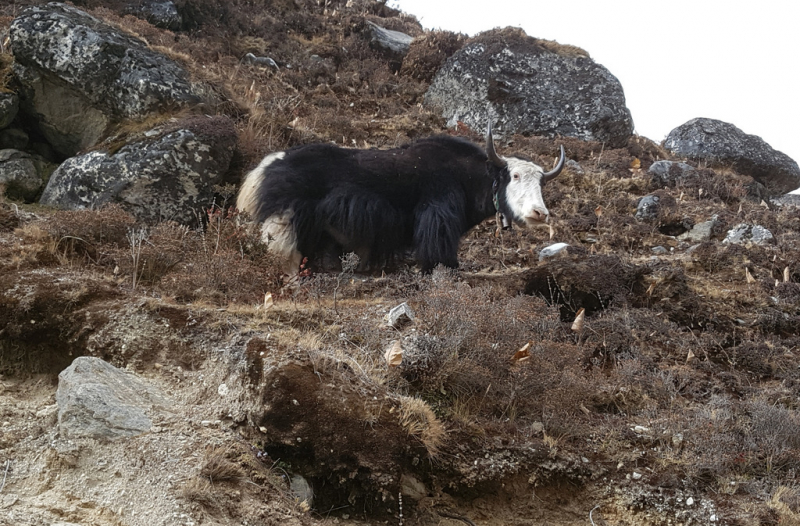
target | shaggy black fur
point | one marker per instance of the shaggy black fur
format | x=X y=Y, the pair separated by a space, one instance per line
x=378 y=203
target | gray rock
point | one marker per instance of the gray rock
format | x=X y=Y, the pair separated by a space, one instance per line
x=648 y=208
x=552 y=250
x=97 y=400
x=159 y=13
x=54 y=107
x=720 y=142
x=787 y=200
x=574 y=167
x=167 y=177
x=399 y=316
x=531 y=87
x=659 y=250
x=13 y=139
x=669 y=173
x=9 y=105
x=412 y=487
x=700 y=232
x=79 y=74
x=260 y=61
x=392 y=41
x=23 y=174
x=302 y=490
x=743 y=233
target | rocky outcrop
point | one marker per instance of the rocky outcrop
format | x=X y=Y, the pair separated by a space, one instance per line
x=719 y=142
x=97 y=400
x=22 y=174
x=531 y=86
x=79 y=74
x=168 y=177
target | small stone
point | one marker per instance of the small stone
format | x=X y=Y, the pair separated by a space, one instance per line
x=636 y=475
x=393 y=41
x=744 y=233
x=302 y=490
x=659 y=250
x=223 y=390
x=399 y=316
x=260 y=61
x=552 y=250
x=669 y=173
x=647 y=208
x=699 y=232
x=689 y=501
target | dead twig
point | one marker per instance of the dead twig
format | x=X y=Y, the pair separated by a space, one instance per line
x=590 y=515
x=3 y=485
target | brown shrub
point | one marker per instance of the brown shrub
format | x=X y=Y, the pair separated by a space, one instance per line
x=429 y=52
x=222 y=262
x=470 y=336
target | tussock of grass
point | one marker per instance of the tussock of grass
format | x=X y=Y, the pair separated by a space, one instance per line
x=418 y=419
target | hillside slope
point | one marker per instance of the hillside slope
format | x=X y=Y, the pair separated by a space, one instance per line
x=676 y=401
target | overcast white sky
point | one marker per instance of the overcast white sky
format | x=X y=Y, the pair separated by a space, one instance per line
x=734 y=61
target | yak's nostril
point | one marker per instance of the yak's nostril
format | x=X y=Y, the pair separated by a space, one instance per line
x=536 y=215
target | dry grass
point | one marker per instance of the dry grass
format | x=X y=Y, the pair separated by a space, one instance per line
x=418 y=419
x=217 y=467
x=786 y=502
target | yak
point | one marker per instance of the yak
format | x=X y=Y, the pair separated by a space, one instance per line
x=320 y=199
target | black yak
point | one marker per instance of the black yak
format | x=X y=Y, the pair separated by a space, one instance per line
x=321 y=199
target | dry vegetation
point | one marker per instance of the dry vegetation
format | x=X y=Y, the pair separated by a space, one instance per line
x=685 y=372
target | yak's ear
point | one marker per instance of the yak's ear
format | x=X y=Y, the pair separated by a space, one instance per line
x=490 y=153
x=552 y=174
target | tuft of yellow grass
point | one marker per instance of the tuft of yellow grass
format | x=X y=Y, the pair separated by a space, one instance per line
x=418 y=419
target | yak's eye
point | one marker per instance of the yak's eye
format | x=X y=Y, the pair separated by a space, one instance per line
x=515 y=176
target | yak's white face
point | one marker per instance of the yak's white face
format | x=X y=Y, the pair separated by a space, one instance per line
x=524 y=191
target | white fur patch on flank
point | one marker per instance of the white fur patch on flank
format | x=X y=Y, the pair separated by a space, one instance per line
x=278 y=234
x=247 y=200
x=524 y=191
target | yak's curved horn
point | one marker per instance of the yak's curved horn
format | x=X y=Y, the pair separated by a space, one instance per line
x=490 y=152
x=555 y=171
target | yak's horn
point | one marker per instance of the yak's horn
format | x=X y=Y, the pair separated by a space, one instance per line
x=490 y=153
x=555 y=171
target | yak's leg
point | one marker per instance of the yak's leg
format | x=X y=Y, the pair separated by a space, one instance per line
x=363 y=222
x=438 y=226
x=278 y=233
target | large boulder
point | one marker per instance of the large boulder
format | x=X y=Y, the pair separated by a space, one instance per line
x=533 y=87
x=719 y=142
x=169 y=176
x=79 y=74
x=97 y=400
x=23 y=174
